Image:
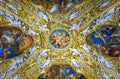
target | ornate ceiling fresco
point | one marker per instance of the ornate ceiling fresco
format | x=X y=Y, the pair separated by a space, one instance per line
x=59 y=39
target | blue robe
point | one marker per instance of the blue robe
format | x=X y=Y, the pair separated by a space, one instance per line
x=96 y=40
x=108 y=34
x=12 y=53
x=1 y=51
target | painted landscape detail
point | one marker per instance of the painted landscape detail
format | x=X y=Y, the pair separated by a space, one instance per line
x=61 y=72
x=106 y=39
x=13 y=42
x=59 y=38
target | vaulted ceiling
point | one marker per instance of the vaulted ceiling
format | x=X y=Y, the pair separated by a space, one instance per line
x=41 y=37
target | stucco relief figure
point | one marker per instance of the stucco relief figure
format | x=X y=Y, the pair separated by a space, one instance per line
x=13 y=42
x=106 y=39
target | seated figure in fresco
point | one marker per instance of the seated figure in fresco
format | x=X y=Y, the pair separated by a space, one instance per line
x=55 y=6
x=61 y=72
x=107 y=40
x=13 y=42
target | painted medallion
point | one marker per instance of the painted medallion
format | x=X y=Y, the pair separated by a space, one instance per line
x=59 y=38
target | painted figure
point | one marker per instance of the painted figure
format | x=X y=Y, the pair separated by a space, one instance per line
x=59 y=38
x=55 y=6
x=13 y=42
x=106 y=39
x=61 y=72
